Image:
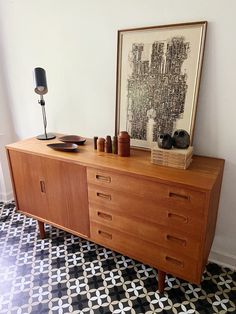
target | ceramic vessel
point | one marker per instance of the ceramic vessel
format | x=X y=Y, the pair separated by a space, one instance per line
x=164 y=141
x=181 y=139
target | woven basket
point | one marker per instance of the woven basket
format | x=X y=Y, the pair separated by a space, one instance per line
x=177 y=158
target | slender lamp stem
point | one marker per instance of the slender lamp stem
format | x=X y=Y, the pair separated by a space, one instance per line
x=42 y=103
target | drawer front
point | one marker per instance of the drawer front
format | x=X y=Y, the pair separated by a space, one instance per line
x=173 y=197
x=157 y=234
x=149 y=210
x=149 y=253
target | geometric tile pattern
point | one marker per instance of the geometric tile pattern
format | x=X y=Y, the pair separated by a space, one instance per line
x=67 y=274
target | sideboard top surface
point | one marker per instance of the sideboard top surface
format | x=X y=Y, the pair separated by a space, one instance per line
x=201 y=174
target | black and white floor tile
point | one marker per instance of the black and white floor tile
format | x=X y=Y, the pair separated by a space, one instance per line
x=67 y=274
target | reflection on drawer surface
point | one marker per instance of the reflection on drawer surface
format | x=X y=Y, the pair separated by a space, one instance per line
x=170 y=238
x=154 y=255
x=172 y=196
x=134 y=206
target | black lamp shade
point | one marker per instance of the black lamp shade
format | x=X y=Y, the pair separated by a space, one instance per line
x=40 y=81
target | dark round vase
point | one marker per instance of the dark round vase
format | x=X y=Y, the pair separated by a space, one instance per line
x=164 y=141
x=181 y=139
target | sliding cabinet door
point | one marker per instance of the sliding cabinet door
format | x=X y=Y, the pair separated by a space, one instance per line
x=29 y=183
x=66 y=190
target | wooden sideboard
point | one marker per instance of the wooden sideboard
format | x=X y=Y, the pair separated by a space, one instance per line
x=161 y=216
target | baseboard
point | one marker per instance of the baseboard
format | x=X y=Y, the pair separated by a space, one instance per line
x=6 y=197
x=223 y=259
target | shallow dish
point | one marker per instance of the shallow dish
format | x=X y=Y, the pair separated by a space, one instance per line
x=73 y=139
x=63 y=146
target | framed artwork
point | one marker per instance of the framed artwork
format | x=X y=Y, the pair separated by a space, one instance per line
x=158 y=78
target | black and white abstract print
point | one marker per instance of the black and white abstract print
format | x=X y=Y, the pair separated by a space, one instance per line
x=156 y=87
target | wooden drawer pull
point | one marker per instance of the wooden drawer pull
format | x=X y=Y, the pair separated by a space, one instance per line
x=103 y=178
x=105 y=234
x=180 y=241
x=180 y=218
x=179 y=196
x=102 y=195
x=104 y=216
x=42 y=186
x=174 y=261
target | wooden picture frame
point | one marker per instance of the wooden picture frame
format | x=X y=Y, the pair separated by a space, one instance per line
x=158 y=78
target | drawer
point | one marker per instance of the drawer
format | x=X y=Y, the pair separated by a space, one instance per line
x=148 y=253
x=167 y=237
x=171 y=196
x=130 y=206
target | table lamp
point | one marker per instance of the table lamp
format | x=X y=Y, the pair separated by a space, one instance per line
x=41 y=89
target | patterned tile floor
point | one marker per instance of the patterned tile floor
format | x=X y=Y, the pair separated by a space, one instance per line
x=67 y=274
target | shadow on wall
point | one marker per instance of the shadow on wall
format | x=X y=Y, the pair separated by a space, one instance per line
x=6 y=193
x=7 y=135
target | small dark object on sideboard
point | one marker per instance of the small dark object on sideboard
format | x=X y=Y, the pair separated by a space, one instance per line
x=108 y=144
x=181 y=139
x=95 y=142
x=164 y=141
x=115 y=145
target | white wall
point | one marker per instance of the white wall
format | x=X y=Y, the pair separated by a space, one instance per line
x=7 y=136
x=75 y=41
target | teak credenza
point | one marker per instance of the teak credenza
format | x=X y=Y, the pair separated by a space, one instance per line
x=161 y=216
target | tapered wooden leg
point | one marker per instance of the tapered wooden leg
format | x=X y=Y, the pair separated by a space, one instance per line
x=41 y=229
x=161 y=280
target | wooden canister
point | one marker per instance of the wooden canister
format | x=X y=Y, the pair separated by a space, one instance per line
x=115 y=145
x=100 y=144
x=95 y=139
x=108 y=144
x=124 y=144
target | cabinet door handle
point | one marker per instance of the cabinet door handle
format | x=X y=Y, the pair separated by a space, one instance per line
x=178 y=217
x=102 y=195
x=179 y=196
x=174 y=261
x=177 y=240
x=99 y=177
x=42 y=186
x=104 y=216
x=105 y=234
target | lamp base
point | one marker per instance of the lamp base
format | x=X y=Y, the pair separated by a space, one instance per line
x=47 y=136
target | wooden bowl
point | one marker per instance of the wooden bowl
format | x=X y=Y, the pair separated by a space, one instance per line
x=63 y=146
x=73 y=139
